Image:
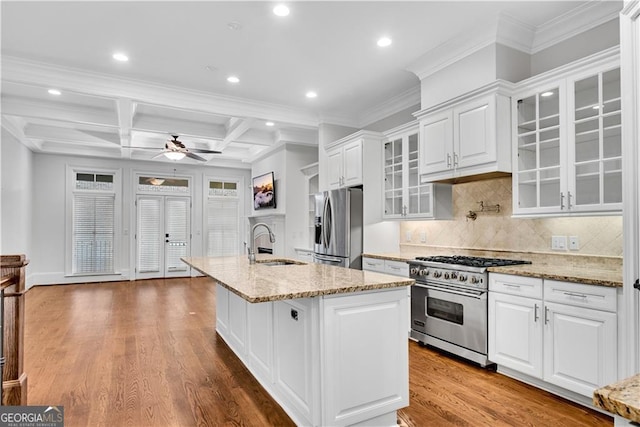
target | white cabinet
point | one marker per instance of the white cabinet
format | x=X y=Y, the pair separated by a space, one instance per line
x=345 y=165
x=396 y=268
x=373 y=264
x=404 y=196
x=294 y=370
x=469 y=135
x=515 y=325
x=563 y=333
x=305 y=255
x=567 y=141
x=345 y=158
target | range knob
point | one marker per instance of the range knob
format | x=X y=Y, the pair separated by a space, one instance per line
x=454 y=275
x=424 y=272
x=462 y=278
x=414 y=270
x=474 y=280
x=446 y=276
x=437 y=274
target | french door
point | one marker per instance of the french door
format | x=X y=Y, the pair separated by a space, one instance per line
x=163 y=235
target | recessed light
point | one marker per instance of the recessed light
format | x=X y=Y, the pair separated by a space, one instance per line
x=384 y=41
x=596 y=107
x=311 y=94
x=269 y=123
x=211 y=68
x=234 y=25
x=54 y=92
x=233 y=79
x=545 y=94
x=281 y=10
x=119 y=56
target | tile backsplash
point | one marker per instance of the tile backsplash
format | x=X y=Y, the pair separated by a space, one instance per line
x=598 y=235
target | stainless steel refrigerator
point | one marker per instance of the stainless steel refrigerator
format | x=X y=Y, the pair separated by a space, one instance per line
x=338 y=228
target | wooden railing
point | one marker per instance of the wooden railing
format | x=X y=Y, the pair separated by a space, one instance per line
x=14 y=379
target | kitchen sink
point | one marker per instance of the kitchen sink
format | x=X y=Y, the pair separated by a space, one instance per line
x=279 y=262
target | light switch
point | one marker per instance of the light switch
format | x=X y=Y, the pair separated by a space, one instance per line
x=574 y=243
x=407 y=237
x=423 y=237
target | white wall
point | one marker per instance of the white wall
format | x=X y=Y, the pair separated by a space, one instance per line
x=394 y=120
x=49 y=210
x=291 y=195
x=584 y=44
x=16 y=197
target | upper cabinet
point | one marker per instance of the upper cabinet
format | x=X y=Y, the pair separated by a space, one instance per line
x=466 y=136
x=404 y=196
x=345 y=159
x=567 y=142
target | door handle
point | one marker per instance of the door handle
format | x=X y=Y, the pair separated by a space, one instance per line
x=166 y=235
x=546 y=315
x=448 y=160
x=535 y=312
x=561 y=200
x=455 y=159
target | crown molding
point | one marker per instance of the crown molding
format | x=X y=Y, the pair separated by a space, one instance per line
x=19 y=70
x=391 y=106
x=513 y=33
x=574 y=22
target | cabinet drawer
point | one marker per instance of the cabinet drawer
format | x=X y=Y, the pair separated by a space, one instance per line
x=515 y=285
x=581 y=295
x=373 y=264
x=397 y=268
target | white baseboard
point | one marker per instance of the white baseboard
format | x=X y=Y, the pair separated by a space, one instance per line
x=59 y=278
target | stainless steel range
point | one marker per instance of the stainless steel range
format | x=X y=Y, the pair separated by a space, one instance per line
x=449 y=303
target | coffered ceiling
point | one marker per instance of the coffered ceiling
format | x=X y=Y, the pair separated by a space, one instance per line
x=181 y=53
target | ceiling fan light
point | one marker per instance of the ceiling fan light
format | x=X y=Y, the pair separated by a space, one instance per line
x=174 y=155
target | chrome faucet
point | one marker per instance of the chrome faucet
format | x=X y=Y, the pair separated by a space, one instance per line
x=252 y=249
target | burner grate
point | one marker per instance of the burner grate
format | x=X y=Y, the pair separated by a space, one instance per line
x=470 y=261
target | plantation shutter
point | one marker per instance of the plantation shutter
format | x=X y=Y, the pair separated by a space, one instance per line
x=149 y=229
x=177 y=230
x=223 y=224
x=93 y=233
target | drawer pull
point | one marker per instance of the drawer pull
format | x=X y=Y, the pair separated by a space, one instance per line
x=546 y=315
x=509 y=285
x=572 y=294
x=535 y=313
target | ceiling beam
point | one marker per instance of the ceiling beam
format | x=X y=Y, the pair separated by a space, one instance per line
x=125 y=122
x=73 y=136
x=235 y=129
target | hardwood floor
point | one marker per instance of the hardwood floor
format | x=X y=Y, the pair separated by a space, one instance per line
x=145 y=353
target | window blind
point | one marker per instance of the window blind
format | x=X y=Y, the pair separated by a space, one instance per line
x=149 y=229
x=223 y=234
x=177 y=229
x=93 y=233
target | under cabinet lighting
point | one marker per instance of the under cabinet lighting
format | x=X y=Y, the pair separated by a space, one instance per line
x=54 y=92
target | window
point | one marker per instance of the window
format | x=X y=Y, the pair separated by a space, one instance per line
x=93 y=223
x=223 y=218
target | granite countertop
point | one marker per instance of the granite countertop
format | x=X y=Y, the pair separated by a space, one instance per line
x=261 y=283
x=546 y=266
x=621 y=398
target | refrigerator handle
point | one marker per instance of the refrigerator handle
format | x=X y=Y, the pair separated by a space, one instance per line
x=329 y=222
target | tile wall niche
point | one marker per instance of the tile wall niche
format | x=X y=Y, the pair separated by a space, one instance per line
x=600 y=236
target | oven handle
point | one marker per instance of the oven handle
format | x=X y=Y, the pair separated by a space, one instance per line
x=469 y=293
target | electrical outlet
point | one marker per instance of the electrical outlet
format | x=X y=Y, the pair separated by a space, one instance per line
x=408 y=236
x=559 y=243
x=423 y=237
x=574 y=243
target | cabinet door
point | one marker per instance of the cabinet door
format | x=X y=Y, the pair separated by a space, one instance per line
x=580 y=348
x=515 y=333
x=237 y=327
x=373 y=264
x=393 y=173
x=334 y=168
x=260 y=342
x=222 y=310
x=474 y=133
x=436 y=143
x=352 y=164
x=539 y=178
x=595 y=151
x=293 y=364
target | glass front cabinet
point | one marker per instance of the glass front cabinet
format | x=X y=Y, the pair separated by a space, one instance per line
x=404 y=197
x=567 y=149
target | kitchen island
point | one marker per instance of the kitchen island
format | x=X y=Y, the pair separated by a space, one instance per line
x=328 y=343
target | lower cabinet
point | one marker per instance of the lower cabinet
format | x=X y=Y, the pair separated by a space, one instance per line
x=562 y=333
x=332 y=360
x=395 y=268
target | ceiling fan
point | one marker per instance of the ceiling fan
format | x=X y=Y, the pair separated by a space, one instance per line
x=176 y=150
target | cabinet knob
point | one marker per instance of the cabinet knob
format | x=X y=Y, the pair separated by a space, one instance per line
x=294 y=314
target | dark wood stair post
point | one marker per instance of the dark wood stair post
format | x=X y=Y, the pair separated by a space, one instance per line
x=14 y=379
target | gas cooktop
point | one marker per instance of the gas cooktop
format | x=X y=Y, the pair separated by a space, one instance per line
x=469 y=261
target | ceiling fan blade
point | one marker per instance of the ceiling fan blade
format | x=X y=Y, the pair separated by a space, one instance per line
x=198 y=150
x=158 y=155
x=140 y=148
x=195 y=156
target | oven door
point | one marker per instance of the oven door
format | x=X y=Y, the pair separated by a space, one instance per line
x=451 y=314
